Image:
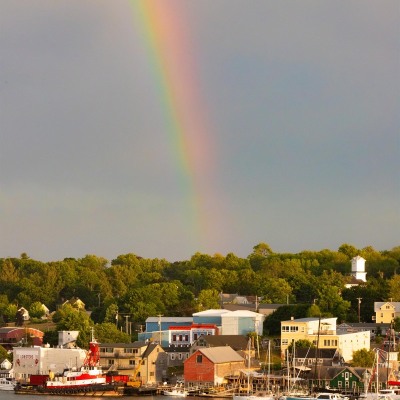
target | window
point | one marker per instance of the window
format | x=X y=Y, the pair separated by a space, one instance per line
x=110 y=362
x=172 y=356
x=180 y=356
x=174 y=338
x=131 y=362
x=129 y=351
x=339 y=384
x=108 y=350
x=294 y=329
x=285 y=342
x=199 y=359
x=285 y=328
x=195 y=336
x=186 y=338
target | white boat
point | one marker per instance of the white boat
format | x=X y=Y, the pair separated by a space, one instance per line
x=319 y=396
x=176 y=392
x=391 y=392
x=7 y=384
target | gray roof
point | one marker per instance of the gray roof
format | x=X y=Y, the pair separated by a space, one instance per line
x=170 y=319
x=219 y=355
x=237 y=342
x=379 y=304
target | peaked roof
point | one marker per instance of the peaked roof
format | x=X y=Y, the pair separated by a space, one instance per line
x=379 y=304
x=330 y=373
x=151 y=347
x=219 y=355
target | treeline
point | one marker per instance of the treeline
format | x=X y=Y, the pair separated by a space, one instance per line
x=137 y=287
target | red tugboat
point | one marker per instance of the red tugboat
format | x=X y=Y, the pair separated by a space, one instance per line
x=89 y=380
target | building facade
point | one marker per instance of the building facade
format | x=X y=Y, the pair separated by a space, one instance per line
x=322 y=334
x=40 y=360
x=386 y=312
x=211 y=366
x=145 y=361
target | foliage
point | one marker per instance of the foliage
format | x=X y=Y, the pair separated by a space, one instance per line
x=4 y=353
x=300 y=344
x=68 y=318
x=36 y=310
x=208 y=299
x=139 y=287
x=51 y=338
x=363 y=358
x=109 y=333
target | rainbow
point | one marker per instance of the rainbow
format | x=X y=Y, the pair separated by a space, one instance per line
x=171 y=58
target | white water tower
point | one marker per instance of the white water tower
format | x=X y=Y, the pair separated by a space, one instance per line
x=358 y=268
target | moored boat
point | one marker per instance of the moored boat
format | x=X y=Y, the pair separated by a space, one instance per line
x=319 y=396
x=87 y=380
x=175 y=392
x=7 y=384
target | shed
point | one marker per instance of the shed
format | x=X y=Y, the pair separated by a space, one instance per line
x=212 y=365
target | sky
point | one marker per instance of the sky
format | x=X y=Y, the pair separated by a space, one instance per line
x=165 y=128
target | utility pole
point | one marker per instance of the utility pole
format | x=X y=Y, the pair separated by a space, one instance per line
x=159 y=327
x=126 y=323
x=359 y=306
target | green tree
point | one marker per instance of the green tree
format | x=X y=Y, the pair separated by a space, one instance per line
x=10 y=312
x=68 y=318
x=394 y=288
x=4 y=353
x=349 y=250
x=363 y=358
x=111 y=313
x=301 y=344
x=396 y=324
x=109 y=333
x=36 y=310
x=208 y=299
x=274 y=290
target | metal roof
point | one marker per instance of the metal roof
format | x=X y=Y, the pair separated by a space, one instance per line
x=222 y=354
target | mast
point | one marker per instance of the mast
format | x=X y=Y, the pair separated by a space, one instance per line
x=317 y=349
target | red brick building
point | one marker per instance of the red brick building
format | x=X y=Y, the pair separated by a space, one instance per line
x=212 y=365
